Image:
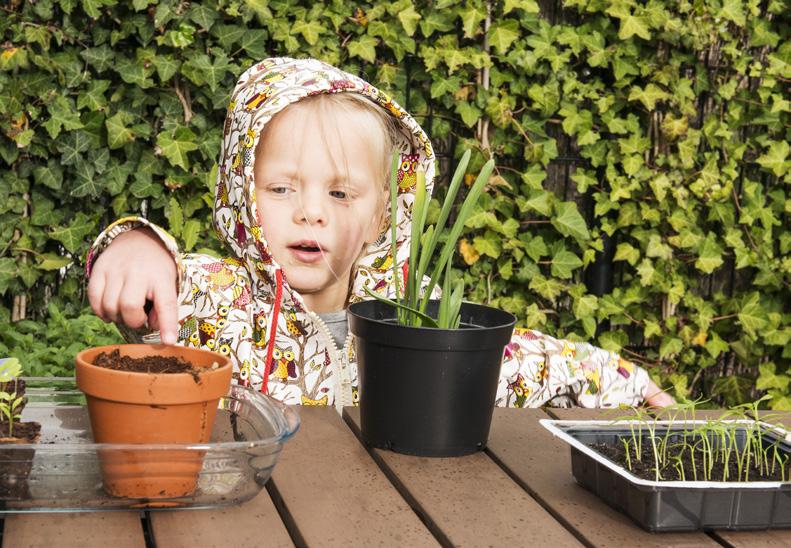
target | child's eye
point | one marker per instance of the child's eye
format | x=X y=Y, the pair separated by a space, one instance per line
x=278 y=189
x=340 y=194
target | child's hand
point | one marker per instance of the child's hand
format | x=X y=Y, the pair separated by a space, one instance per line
x=136 y=267
x=656 y=397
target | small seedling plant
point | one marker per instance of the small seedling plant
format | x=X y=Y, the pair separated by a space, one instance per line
x=732 y=447
x=411 y=303
x=10 y=403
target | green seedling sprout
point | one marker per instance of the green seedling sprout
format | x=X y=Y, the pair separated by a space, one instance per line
x=703 y=446
x=411 y=305
x=9 y=403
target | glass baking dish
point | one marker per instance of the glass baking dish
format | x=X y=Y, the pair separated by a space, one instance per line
x=249 y=432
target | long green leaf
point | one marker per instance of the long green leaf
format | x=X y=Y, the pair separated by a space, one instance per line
x=450 y=244
x=418 y=218
x=444 y=213
x=426 y=318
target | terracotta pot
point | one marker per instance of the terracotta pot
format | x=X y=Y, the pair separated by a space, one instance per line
x=152 y=408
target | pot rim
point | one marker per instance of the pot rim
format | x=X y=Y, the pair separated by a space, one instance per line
x=352 y=310
x=558 y=429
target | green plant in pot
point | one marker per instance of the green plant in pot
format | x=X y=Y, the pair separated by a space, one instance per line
x=428 y=368
x=15 y=462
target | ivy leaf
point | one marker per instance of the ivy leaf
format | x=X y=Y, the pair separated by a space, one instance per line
x=470 y=114
x=528 y=6
x=117 y=133
x=625 y=252
x=72 y=236
x=51 y=261
x=134 y=72
x=364 y=48
x=310 y=31
x=72 y=146
x=166 y=67
x=85 y=181
x=176 y=144
x=536 y=248
x=8 y=273
x=503 y=34
x=409 y=19
x=471 y=18
x=775 y=158
x=710 y=255
x=100 y=57
x=569 y=222
x=548 y=288
x=648 y=95
x=468 y=252
x=50 y=175
x=564 y=263
x=488 y=244
x=201 y=69
x=228 y=35
x=670 y=346
x=752 y=316
x=434 y=21
x=631 y=25
x=203 y=16
x=541 y=201
x=62 y=114
x=768 y=378
x=732 y=11
x=93 y=97
x=445 y=86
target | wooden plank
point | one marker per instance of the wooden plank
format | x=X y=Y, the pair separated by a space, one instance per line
x=86 y=530
x=335 y=494
x=255 y=522
x=542 y=465
x=469 y=500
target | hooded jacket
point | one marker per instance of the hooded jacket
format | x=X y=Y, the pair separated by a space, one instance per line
x=242 y=305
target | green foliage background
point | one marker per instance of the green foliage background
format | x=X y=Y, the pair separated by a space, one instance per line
x=661 y=124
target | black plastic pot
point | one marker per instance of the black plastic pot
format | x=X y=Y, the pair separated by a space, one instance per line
x=665 y=506
x=425 y=391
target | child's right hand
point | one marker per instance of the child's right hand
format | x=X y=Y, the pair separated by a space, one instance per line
x=136 y=267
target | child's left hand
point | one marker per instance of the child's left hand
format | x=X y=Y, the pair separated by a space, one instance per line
x=656 y=397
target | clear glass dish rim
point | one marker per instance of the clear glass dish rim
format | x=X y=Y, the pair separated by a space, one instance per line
x=288 y=426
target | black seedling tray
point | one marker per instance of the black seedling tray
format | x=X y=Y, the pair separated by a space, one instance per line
x=661 y=506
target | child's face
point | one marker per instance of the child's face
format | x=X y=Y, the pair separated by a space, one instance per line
x=320 y=196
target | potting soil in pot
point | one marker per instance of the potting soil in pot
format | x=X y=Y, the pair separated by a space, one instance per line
x=147 y=364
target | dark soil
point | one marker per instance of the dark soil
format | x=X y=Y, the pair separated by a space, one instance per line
x=645 y=469
x=22 y=430
x=16 y=464
x=147 y=364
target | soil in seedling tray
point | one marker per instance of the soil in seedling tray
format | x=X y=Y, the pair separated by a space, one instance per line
x=644 y=468
x=23 y=430
x=147 y=364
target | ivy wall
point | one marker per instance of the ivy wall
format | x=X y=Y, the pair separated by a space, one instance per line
x=642 y=151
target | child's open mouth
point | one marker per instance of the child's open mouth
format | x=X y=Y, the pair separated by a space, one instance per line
x=306 y=251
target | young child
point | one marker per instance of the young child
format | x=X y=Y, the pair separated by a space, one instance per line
x=301 y=203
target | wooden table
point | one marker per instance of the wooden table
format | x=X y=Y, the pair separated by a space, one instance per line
x=329 y=490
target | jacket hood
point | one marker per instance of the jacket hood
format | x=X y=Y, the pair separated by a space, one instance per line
x=262 y=91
